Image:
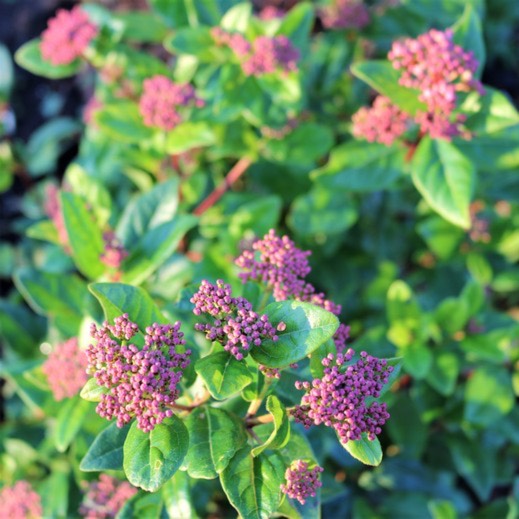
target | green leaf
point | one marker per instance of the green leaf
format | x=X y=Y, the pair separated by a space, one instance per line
x=361 y=166
x=418 y=359
x=147 y=211
x=187 y=136
x=193 y=41
x=106 y=451
x=150 y=506
x=322 y=211
x=45 y=231
x=380 y=75
x=252 y=485
x=178 y=497
x=237 y=18
x=7 y=72
x=364 y=450
x=173 y=13
x=488 y=395
x=92 y=392
x=29 y=57
x=443 y=373
x=468 y=34
x=155 y=248
x=445 y=178
x=117 y=299
x=214 y=437
x=150 y=459
x=307 y=327
x=84 y=235
x=222 y=374
x=452 y=314
x=123 y=122
x=69 y=421
x=141 y=26
x=297 y=24
x=281 y=432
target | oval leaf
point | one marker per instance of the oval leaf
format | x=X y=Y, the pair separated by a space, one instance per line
x=106 y=451
x=281 y=433
x=150 y=459
x=307 y=327
x=69 y=421
x=364 y=450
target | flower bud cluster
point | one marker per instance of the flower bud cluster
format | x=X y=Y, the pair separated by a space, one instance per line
x=161 y=99
x=344 y=14
x=67 y=35
x=338 y=399
x=383 y=122
x=104 y=498
x=236 y=326
x=435 y=65
x=301 y=482
x=264 y=56
x=53 y=210
x=20 y=501
x=65 y=369
x=114 y=252
x=142 y=383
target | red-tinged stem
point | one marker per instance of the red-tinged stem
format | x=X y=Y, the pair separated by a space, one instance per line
x=234 y=174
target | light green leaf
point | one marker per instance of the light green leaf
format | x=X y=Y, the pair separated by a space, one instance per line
x=223 y=375
x=237 y=18
x=364 y=450
x=150 y=459
x=307 y=327
x=187 y=136
x=92 y=391
x=281 y=432
x=69 y=421
x=178 y=497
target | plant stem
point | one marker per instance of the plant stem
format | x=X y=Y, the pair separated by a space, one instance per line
x=234 y=174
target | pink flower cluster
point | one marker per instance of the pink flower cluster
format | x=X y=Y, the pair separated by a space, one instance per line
x=264 y=56
x=65 y=369
x=338 y=399
x=439 y=69
x=114 y=252
x=301 y=482
x=53 y=210
x=67 y=35
x=20 y=502
x=104 y=498
x=344 y=14
x=141 y=383
x=161 y=99
x=236 y=326
x=384 y=122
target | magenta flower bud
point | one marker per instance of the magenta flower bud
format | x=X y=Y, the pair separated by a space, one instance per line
x=104 y=498
x=67 y=36
x=65 y=369
x=301 y=482
x=20 y=501
x=114 y=253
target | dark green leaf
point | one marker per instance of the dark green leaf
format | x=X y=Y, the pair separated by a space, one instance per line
x=150 y=459
x=222 y=374
x=445 y=178
x=252 y=485
x=150 y=506
x=468 y=34
x=281 y=432
x=307 y=327
x=106 y=451
x=444 y=372
x=214 y=437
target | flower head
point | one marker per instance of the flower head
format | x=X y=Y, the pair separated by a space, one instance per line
x=270 y=54
x=142 y=383
x=20 y=501
x=67 y=35
x=384 y=122
x=344 y=14
x=338 y=399
x=301 y=482
x=114 y=252
x=161 y=99
x=235 y=325
x=65 y=369
x=104 y=498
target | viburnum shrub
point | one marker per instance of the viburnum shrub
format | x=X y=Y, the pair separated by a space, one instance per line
x=267 y=267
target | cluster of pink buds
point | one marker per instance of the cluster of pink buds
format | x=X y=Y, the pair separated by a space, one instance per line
x=301 y=481
x=338 y=399
x=141 y=382
x=104 y=498
x=65 y=369
x=383 y=122
x=264 y=56
x=344 y=14
x=161 y=99
x=53 y=210
x=235 y=325
x=67 y=36
x=20 y=501
x=114 y=253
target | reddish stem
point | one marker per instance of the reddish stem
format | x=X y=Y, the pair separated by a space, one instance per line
x=234 y=174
